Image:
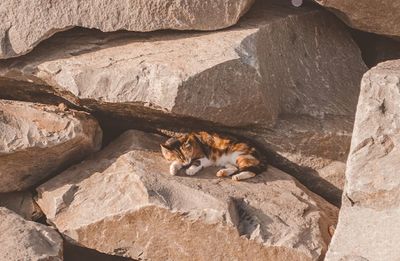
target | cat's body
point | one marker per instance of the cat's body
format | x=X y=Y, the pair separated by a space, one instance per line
x=198 y=150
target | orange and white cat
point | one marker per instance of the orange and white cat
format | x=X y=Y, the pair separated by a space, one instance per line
x=198 y=150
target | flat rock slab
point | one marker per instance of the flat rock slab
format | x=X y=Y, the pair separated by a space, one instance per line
x=26 y=240
x=24 y=24
x=37 y=140
x=375 y=16
x=371 y=209
x=122 y=201
x=277 y=60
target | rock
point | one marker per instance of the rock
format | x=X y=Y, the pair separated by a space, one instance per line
x=123 y=201
x=37 y=140
x=21 y=203
x=26 y=240
x=310 y=149
x=24 y=24
x=246 y=78
x=380 y=17
x=371 y=208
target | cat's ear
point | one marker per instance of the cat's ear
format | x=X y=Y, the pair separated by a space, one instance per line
x=172 y=143
x=167 y=149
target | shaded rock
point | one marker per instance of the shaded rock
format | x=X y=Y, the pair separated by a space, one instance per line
x=310 y=149
x=24 y=24
x=37 y=140
x=26 y=240
x=375 y=16
x=21 y=203
x=376 y=48
x=273 y=62
x=371 y=208
x=122 y=201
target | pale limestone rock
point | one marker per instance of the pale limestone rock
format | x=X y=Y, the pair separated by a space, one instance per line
x=276 y=61
x=375 y=16
x=26 y=240
x=25 y=23
x=123 y=201
x=37 y=140
x=368 y=225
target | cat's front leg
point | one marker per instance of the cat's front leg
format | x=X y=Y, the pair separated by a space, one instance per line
x=193 y=170
x=175 y=167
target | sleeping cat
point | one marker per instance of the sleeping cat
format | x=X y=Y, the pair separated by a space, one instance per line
x=198 y=150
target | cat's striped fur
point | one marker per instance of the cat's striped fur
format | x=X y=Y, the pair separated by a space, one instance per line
x=198 y=150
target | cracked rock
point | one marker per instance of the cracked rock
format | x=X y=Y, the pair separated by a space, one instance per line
x=122 y=201
x=25 y=23
x=37 y=140
x=371 y=208
x=26 y=240
x=276 y=61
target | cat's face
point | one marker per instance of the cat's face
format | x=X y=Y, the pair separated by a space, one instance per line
x=184 y=149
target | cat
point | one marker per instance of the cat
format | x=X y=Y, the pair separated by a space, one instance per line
x=197 y=150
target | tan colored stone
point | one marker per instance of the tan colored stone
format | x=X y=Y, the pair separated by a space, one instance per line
x=21 y=203
x=368 y=224
x=276 y=61
x=26 y=240
x=37 y=140
x=375 y=16
x=24 y=23
x=123 y=201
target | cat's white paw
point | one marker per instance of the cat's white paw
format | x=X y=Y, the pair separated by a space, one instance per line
x=222 y=173
x=235 y=178
x=174 y=169
x=191 y=171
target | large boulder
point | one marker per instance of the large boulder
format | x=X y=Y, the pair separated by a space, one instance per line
x=276 y=61
x=368 y=225
x=26 y=240
x=24 y=24
x=375 y=16
x=123 y=201
x=36 y=140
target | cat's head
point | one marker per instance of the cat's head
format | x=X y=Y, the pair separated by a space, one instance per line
x=185 y=149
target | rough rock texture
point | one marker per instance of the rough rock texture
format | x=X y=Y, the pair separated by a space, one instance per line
x=310 y=149
x=292 y=73
x=25 y=23
x=375 y=16
x=26 y=240
x=123 y=202
x=36 y=140
x=237 y=77
x=368 y=223
x=21 y=203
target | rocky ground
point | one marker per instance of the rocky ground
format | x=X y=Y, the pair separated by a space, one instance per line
x=89 y=89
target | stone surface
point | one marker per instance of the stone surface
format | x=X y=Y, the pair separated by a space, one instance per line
x=26 y=240
x=371 y=209
x=37 y=140
x=312 y=150
x=122 y=201
x=24 y=24
x=375 y=16
x=21 y=203
x=238 y=77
